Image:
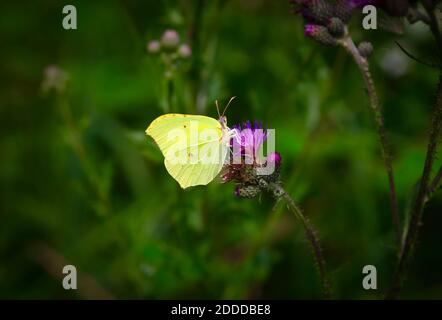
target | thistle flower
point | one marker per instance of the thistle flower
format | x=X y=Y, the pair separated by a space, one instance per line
x=319 y=33
x=248 y=182
x=249 y=140
x=336 y=27
x=172 y=52
x=325 y=21
x=184 y=51
x=153 y=46
x=313 y=11
x=170 y=46
x=170 y=39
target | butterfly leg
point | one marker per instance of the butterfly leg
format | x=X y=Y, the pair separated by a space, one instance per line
x=233 y=133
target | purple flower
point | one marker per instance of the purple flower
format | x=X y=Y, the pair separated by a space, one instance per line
x=321 y=11
x=250 y=137
x=251 y=172
x=362 y=3
x=244 y=158
x=319 y=33
x=310 y=29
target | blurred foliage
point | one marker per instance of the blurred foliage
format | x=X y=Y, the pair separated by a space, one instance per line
x=81 y=184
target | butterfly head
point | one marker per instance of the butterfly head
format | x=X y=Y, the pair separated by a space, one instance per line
x=223 y=121
x=222 y=117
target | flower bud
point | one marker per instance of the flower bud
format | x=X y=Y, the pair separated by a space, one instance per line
x=170 y=40
x=247 y=191
x=317 y=11
x=319 y=33
x=321 y=10
x=184 y=51
x=336 y=27
x=365 y=49
x=153 y=46
x=274 y=157
x=54 y=79
x=343 y=9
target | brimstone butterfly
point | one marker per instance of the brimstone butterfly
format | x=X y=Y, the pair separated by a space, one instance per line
x=194 y=147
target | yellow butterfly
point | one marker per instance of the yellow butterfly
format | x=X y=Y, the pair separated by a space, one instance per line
x=194 y=147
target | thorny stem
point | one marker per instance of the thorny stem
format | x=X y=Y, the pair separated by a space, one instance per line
x=435 y=183
x=169 y=93
x=169 y=75
x=363 y=65
x=424 y=191
x=311 y=235
x=426 y=186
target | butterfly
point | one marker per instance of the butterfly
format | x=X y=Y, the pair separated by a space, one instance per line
x=194 y=147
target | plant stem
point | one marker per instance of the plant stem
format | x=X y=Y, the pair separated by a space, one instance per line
x=435 y=183
x=424 y=188
x=434 y=27
x=363 y=65
x=80 y=151
x=195 y=34
x=169 y=93
x=311 y=235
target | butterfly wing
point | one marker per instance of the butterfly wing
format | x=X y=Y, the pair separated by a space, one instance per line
x=203 y=154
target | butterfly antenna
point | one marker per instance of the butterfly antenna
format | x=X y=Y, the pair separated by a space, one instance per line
x=228 y=104
x=217 y=107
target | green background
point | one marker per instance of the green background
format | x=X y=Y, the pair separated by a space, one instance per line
x=81 y=184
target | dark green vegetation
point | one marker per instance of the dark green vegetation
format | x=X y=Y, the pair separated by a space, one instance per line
x=81 y=184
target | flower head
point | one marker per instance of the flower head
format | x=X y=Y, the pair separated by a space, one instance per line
x=153 y=46
x=171 y=48
x=170 y=39
x=326 y=21
x=54 y=78
x=245 y=167
x=184 y=51
x=250 y=137
x=319 y=33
